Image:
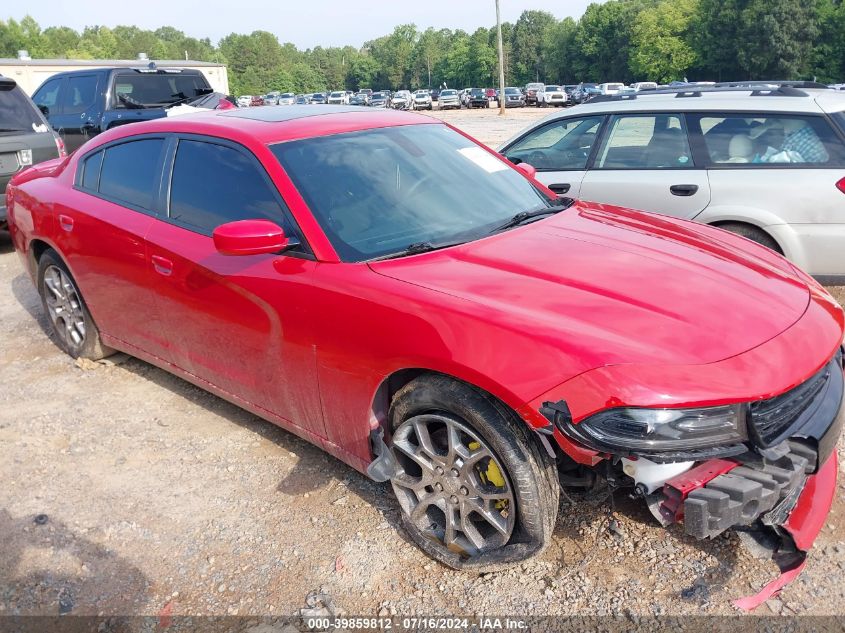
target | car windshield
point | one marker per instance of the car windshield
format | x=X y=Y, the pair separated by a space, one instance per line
x=157 y=89
x=511 y=91
x=288 y=95
x=448 y=93
x=420 y=184
x=17 y=114
x=337 y=94
x=478 y=92
x=552 y=88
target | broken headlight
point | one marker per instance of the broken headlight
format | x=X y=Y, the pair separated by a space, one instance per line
x=664 y=429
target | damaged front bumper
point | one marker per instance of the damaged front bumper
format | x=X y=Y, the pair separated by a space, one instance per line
x=781 y=481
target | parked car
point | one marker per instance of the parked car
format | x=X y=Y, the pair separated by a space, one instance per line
x=480 y=353
x=514 y=98
x=478 y=98
x=287 y=98
x=358 y=100
x=644 y=85
x=449 y=99
x=338 y=97
x=366 y=91
x=80 y=104
x=257 y=100
x=303 y=99
x=380 y=100
x=244 y=101
x=552 y=96
x=25 y=137
x=465 y=97
x=767 y=167
x=570 y=89
x=584 y=92
x=492 y=95
x=610 y=88
x=422 y=100
x=272 y=97
x=402 y=100
x=531 y=93
x=319 y=98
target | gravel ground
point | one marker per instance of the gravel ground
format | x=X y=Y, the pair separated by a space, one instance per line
x=158 y=495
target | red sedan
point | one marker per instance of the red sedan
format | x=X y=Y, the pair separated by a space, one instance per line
x=385 y=287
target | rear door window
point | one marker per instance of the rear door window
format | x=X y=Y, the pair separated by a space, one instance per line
x=79 y=94
x=130 y=172
x=770 y=139
x=646 y=141
x=48 y=95
x=17 y=114
x=213 y=184
x=91 y=172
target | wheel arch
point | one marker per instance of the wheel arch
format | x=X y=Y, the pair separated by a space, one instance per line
x=396 y=380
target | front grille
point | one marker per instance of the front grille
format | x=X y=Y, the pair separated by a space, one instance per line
x=772 y=419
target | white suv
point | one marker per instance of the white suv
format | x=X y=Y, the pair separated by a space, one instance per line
x=764 y=161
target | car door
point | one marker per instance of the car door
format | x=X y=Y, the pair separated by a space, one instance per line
x=781 y=172
x=78 y=116
x=101 y=226
x=645 y=162
x=241 y=323
x=559 y=150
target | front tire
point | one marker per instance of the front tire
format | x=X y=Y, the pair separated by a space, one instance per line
x=73 y=328
x=476 y=491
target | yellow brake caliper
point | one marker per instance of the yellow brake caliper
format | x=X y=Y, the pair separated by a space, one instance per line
x=491 y=475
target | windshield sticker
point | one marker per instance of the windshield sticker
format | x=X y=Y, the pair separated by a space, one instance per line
x=39 y=127
x=483 y=159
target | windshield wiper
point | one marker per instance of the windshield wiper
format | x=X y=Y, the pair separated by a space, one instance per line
x=417 y=248
x=524 y=216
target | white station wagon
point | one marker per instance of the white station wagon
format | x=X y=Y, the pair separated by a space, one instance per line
x=764 y=161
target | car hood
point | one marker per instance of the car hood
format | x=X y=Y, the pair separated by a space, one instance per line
x=620 y=286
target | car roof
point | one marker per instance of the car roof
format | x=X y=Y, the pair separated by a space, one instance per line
x=271 y=124
x=810 y=100
x=138 y=69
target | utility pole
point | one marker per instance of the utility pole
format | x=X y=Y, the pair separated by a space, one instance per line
x=501 y=62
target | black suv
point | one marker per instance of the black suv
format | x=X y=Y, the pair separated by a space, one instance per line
x=82 y=103
x=25 y=137
x=478 y=98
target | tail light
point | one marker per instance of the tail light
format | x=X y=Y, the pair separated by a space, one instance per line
x=60 y=145
x=841 y=185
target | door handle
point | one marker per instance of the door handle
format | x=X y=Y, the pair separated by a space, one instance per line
x=162 y=265
x=560 y=188
x=683 y=190
x=88 y=125
x=66 y=222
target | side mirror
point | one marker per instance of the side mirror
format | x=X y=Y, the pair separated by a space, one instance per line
x=251 y=237
x=527 y=169
x=44 y=110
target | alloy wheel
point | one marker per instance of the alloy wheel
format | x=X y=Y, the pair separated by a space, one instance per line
x=64 y=307
x=452 y=486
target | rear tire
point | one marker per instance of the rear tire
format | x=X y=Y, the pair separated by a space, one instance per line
x=752 y=233
x=73 y=328
x=476 y=490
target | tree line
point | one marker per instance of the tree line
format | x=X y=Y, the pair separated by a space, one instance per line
x=618 y=40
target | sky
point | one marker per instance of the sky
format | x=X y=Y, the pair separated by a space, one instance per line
x=306 y=23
